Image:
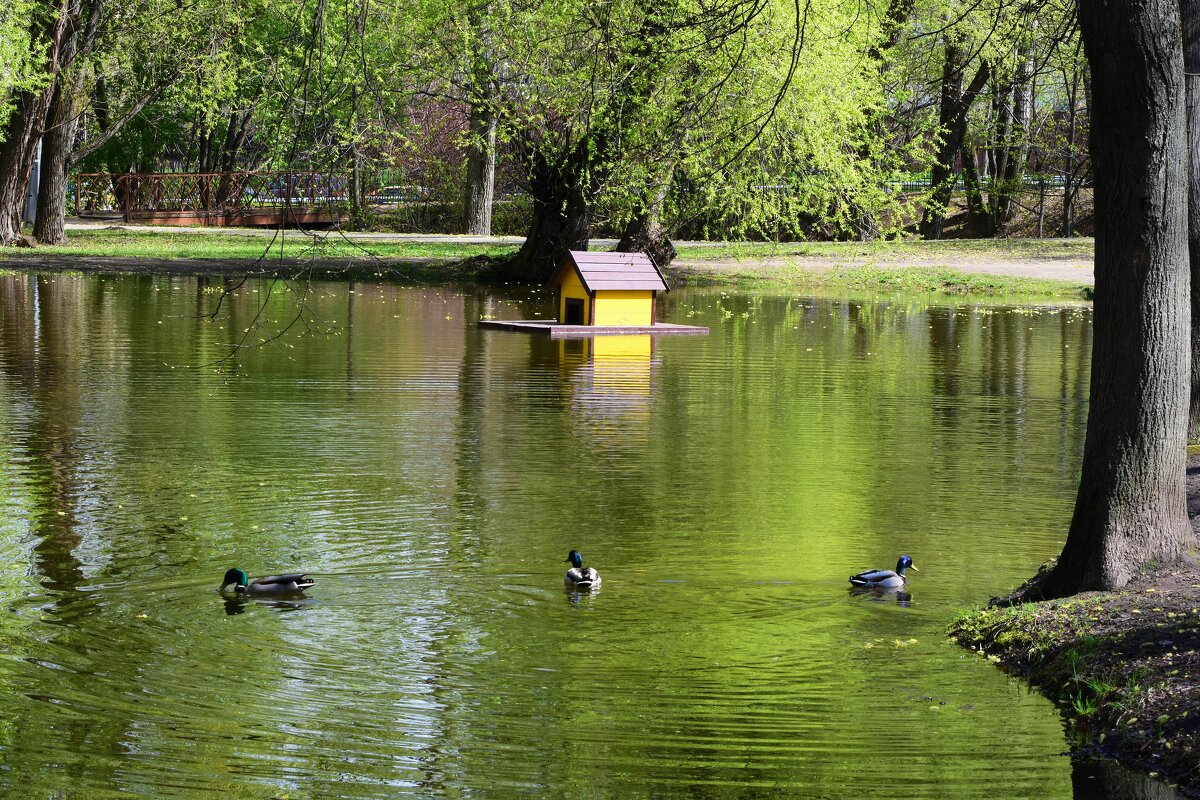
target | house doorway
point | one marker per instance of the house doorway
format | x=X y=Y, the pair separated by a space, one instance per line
x=574 y=309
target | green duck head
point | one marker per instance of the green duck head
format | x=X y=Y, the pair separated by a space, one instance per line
x=237 y=577
x=575 y=559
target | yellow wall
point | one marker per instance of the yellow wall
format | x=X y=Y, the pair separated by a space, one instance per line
x=571 y=287
x=624 y=308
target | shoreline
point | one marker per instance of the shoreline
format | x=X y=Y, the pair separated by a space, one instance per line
x=1123 y=666
x=1042 y=269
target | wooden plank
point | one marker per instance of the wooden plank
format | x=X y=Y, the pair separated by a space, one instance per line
x=557 y=331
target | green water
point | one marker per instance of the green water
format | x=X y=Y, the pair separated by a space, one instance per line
x=433 y=476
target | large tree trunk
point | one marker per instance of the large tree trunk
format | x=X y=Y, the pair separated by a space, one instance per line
x=1189 y=12
x=644 y=233
x=481 y=171
x=58 y=142
x=564 y=185
x=25 y=122
x=1130 y=510
x=1003 y=133
x=481 y=146
x=563 y=194
x=952 y=126
x=49 y=225
x=16 y=161
x=979 y=218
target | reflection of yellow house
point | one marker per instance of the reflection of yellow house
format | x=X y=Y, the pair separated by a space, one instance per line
x=622 y=364
x=617 y=363
x=611 y=380
x=607 y=290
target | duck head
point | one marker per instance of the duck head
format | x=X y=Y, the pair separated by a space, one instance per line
x=575 y=559
x=237 y=577
x=905 y=563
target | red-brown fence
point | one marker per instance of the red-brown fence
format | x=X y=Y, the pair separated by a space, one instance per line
x=214 y=198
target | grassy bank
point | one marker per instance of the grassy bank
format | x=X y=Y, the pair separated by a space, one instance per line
x=254 y=245
x=882 y=248
x=1124 y=666
x=911 y=267
x=874 y=278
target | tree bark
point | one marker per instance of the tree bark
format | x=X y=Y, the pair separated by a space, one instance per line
x=1189 y=13
x=16 y=161
x=24 y=125
x=58 y=141
x=1069 y=167
x=563 y=195
x=952 y=125
x=481 y=170
x=1130 y=510
x=1016 y=145
x=979 y=218
x=644 y=232
x=1003 y=134
x=49 y=225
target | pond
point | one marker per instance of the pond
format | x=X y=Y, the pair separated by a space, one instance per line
x=433 y=476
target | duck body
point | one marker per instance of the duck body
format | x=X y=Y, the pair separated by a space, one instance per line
x=579 y=576
x=294 y=583
x=884 y=578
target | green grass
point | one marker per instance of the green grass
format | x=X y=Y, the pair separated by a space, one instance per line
x=910 y=280
x=965 y=248
x=252 y=245
x=742 y=262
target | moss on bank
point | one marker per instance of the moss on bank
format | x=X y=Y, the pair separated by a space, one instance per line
x=1124 y=666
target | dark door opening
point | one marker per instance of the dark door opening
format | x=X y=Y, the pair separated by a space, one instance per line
x=574 y=311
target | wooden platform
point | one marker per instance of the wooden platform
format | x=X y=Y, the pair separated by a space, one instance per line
x=557 y=331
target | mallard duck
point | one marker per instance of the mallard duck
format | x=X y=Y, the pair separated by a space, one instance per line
x=272 y=584
x=884 y=578
x=579 y=576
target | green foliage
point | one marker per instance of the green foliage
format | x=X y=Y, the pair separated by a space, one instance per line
x=21 y=55
x=770 y=120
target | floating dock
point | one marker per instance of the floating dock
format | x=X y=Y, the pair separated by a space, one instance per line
x=556 y=330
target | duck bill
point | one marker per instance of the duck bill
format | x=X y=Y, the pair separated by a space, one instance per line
x=914 y=569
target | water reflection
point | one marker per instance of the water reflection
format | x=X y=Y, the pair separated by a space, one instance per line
x=433 y=474
x=877 y=594
x=238 y=603
x=1101 y=779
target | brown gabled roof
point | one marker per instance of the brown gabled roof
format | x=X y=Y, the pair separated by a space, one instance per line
x=613 y=271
